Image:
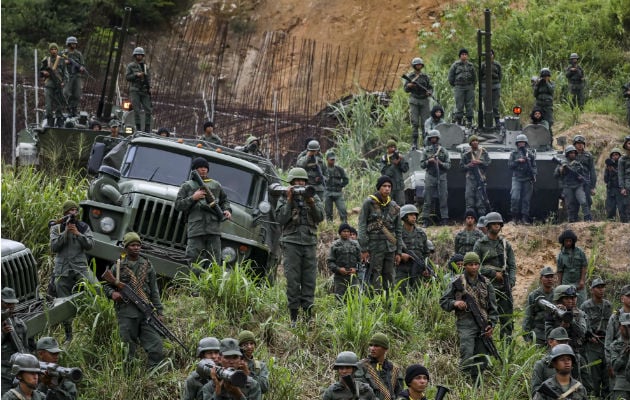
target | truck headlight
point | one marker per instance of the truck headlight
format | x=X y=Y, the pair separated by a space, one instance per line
x=264 y=206
x=107 y=224
x=228 y=255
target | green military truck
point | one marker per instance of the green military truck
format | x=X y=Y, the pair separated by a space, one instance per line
x=152 y=169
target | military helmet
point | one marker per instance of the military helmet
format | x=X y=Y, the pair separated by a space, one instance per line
x=471 y=257
x=569 y=149
x=313 y=145
x=564 y=291
x=131 y=237
x=433 y=133
x=573 y=55
x=417 y=61
x=8 y=296
x=545 y=72
x=106 y=169
x=494 y=217
x=229 y=347
x=25 y=363
x=408 y=209
x=579 y=139
x=615 y=150
x=562 y=350
x=430 y=246
x=482 y=222
x=251 y=139
x=625 y=140
x=71 y=40
x=346 y=359
x=208 y=343
x=297 y=173
x=522 y=138
x=138 y=51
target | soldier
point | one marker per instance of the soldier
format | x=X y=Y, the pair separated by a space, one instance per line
x=543 y=92
x=209 y=135
x=572 y=264
x=588 y=162
x=95 y=126
x=104 y=189
x=537 y=117
x=575 y=77
x=471 y=346
x=394 y=165
x=598 y=311
x=336 y=180
x=565 y=297
x=612 y=329
x=354 y=235
x=314 y=166
x=114 y=127
x=614 y=199
x=455 y=265
x=499 y=266
x=417 y=379
x=436 y=118
x=343 y=261
x=534 y=321
x=415 y=249
x=163 y=132
x=257 y=369
x=252 y=146
x=208 y=348
x=522 y=162
x=26 y=369
x=624 y=177
x=418 y=85
x=53 y=387
x=384 y=377
x=346 y=387
x=481 y=225
x=204 y=218
x=497 y=75
x=562 y=358
x=572 y=174
x=380 y=234
x=466 y=238
x=139 y=77
x=132 y=323
x=462 y=77
x=13 y=329
x=626 y=95
x=620 y=359
x=436 y=160
x=474 y=163
x=69 y=240
x=75 y=66
x=53 y=70
x=299 y=215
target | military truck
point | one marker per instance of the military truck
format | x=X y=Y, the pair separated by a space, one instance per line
x=152 y=169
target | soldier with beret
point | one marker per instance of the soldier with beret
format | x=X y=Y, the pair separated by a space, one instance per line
x=336 y=180
x=417 y=379
x=10 y=324
x=394 y=165
x=54 y=387
x=207 y=349
x=209 y=135
x=466 y=238
x=572 y=264
x=534 y=321
x=462 y=77
x=257 y=369
x=343 y=260
x=384 y=377
x=347 y=388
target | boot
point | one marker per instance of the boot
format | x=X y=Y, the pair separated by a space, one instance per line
x=414 y=146
x=293 y=313
x=458 y=121
x=50 y=121
x=497 y=122
x=73 y=111
x=444 y=222
x=469 y=122
x=59 y=122
x=67 y=327
x=425 y=223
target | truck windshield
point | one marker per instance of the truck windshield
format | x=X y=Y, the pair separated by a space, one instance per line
x=165 y=166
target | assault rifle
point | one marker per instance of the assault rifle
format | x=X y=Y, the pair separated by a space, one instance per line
x=481 y=187
x=566 y=166
x=426 y=90
x=210 y=199
x=152 y=318
x=364 y=273
x=481 y=322
x=54 y=370
x=349 y=381
x=419 y=264
x=76 y=65
x=528 y=164
x=13 y=334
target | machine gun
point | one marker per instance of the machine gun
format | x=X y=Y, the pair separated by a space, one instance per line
x=481 y=187
x=144 y=305
x=528 y=164
x=563 y=315
x=573 y=172
x=210 y=199
x=76 y=65
x=235 y=377
x=54 y=370
x=441 y=393
x=420 y=87
x=419 y=264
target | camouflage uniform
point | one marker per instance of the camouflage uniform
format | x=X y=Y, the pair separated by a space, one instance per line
x=339 y=391
x=395 y=172
x=408 y=274
x=258 y=371
x=497 y=75
x=576 y=331
x=314 y=166
x=626 y=95
x=570 y=263
x=597 y=316
x=8 y=349
x=418 y=100
x=534 y=320
x=497 y=256
x=462 y=77
x=53 y=88
x=389 y=374
x=620 y=362
x=465 y=240
x=66 y=390
x=193 y=386
x=74 y=87
x=346 y=254
x=574 y=191
x=575 y=77
x=624 y=180
x=434 y=183
x=140 y=93
x=251 y=391
x=588 y=161
x=543 y=370
x=614 y=198
x=472 y=195
x=336 y=180
x=523 y=178
x=543 y=92
x=612 y=334
x=10 y=395
x=552 y=383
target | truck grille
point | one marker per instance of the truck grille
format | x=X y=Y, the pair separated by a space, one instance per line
x=157 y=222
x=19 y=271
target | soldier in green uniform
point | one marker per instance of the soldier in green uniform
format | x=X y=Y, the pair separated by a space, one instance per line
x=299 y=215
x=588 y=162
x=313 y=164
x=204 y=221
x=104 y=189
x=497 y=75
x=394 y=165
x=336 y=180
x=481 y=225
x=10 y=324
x=565 y=298
x=572 y=264
x=466 y=238
x=620 y=359
x=534 y=321
x=436 y=160
x=74 y=88
x=53 y=70
x=462 y=77
x=384 y=377
x=522 y=162
x=417 y=379
x=26 y=369
x=380 y=234
x=474 y=163
x=498 y=264
x=418 y=85
x=573 y=175
x=624 y=177
x=612 y=329
x=577 y=82
x=208 y=348
x=537 y=118
x=598 y=311
x=209 y=135
x=343 y=260
x=52 y=386
x=479 y=288
x=132 y=324
x=614 y=199
x=139 y=77
x=346 y=388
x=626 y=95
x=562 y=383
x=415 y=249
x=436 y=118
x=543 y=92
x=252 y=146
x=257 y=369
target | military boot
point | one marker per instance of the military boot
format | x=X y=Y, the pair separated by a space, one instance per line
x=67 y=327
x=293 y=313
x=444 y=222
x=458 y=121
x=59 y=122
x=50 y=121
x=414 y=146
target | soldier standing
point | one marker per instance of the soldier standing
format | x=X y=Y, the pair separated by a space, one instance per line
x=384 y=377
x=562 y=358
x=336 y=180
x=624 y=177
x=534 y=321
x=394 y=165
x=620 y=359
x=26 y=370
x=252 y=146
x=380 y=234
x=55 y=75
x=466 y=238
x=565 y=297
x=497 y=75
x=343 y=261
x=474 y=163
x=477 y=287
x=346 y=388
x=436 y=160
x=415 y=249
x=612 y=329
x=588 y=162
x=537 y=118
x=12 y=328
x=572 y=264
x=522 y=162
x=299 y=215
x=209 y=135
x=418 y=85
x=75 y=67
x=543 y=93
x=257 y=369
x=575 y=76
x=462 y=77
x=572 y=174
x=104 y=189
x=498 y=264
x=208 y=348
x=135 y=270
x=614 y=199
x=139 y=77
x=436 y=118
x=314 y=166
x=54 y=387
x=626 y=95
x=417 y=379
x=204 y=218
